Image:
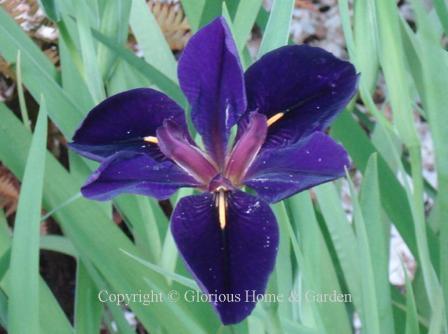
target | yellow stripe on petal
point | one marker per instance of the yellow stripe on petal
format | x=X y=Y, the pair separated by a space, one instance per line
x=275 y=118
x=151 y=139
x=222 y=207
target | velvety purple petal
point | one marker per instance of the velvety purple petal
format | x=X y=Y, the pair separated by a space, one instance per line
x=279 y=173
x=211 y=77
x=308 y=84
x=136 y=173
x=120 y=122
x=175 y=144
x=233 y=261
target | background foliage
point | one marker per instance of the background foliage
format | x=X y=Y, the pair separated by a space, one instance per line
x=321 y=249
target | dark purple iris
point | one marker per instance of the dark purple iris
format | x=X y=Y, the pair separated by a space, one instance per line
x=281 y=104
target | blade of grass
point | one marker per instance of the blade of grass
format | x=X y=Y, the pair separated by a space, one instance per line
x=39 y=75
x=200 y=12
x=170 y=254
x=114 y=23
x=153 y=74
x=88 y=309
x=319 y=272
x=365 y=43
x=343 y=237
x=58 y=244
x=3 y=309
x=283 y=266
x=369 y=311
x=5 y=233
x=22 y=103
x=377 y=234
x=5 y=236
x=72 y=82
x=391 y=59
x=412 y=326
x=118 y=322
x=442 y=12
x=143 y=223
x=193 y=9
x=150 y=38
x=52 y=319
x=23 y=295
x=429 y=69
x=357 y=143
x=91 y=74
x=243 y=21
x=277 y=29
x=187 y=282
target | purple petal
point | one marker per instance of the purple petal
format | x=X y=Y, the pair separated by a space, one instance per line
x=279 y=173
x=247 y=148
x=233 y=261
x=211 y=77
x=175 y=144
x=136 y=173
x=120 y=122
x=308 y=84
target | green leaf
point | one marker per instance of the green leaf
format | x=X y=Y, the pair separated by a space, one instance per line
x=319 y=274
x=114 y=23
x=369 y=313
x=412 y=326
x=58 y=244
x=376 y=232
x=187 y=282
x=243 y=21
x=3 y=309
x=24 y=271
x=283 y=267
x=150 y=38
x=201 y=12
x=20 y=93
x=52 y=319
x=366 y=43
x=357 y=143
x=429 y=70
x=51 y=9
x=164 y=83
x=88 y=308
x=92 y=75
x=39 y=75
x=393 y=65
x=343 y=237
x=144 y=224
x=277 y=29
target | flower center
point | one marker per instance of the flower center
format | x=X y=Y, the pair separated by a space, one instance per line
x=178 y=146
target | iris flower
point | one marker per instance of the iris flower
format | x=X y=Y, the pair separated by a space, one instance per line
x=281 y=105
